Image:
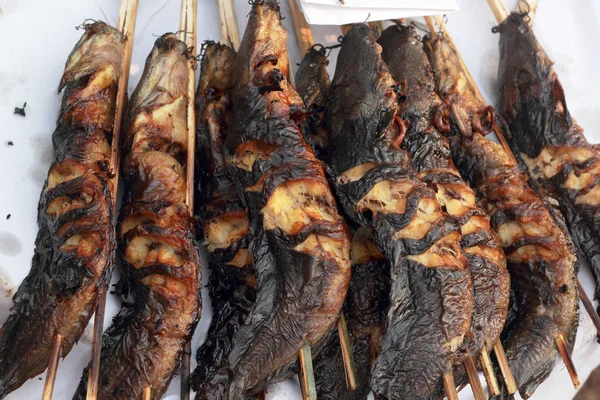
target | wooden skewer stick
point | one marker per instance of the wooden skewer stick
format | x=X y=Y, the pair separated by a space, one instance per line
x=473 y=377
x=52 y=367
x=499 y=10
x=509 y=379
x=498 y=349
x=589 y=307
x=488 y=372
x=147 y=393
x=450 y=386
x=188 y=34
x=229 y=26
x=565 y=353
x=307 y=378
x=304 y=35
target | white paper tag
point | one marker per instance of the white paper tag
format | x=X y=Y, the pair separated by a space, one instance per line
x=333 y=12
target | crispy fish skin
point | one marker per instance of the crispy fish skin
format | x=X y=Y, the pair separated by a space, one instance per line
x=160 y=260
x=300 y=244
x=365 y=310
x=542 y=262
x=431 y=301
x=232 y=283
x=74 y=248
x=558 y=156
x=421 y=108
x=312 y=83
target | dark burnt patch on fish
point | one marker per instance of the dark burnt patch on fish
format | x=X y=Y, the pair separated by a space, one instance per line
x=431 y=301
x=232 y=282
x=427 y=119
x=73 y=255
x=312 y=83
x=539 y=255
x=300 y=244
x=160 y=260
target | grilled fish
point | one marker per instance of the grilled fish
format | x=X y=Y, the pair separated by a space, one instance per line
x=431 y=301
x=312 y=83
x=365 y=311
x=159 y=257
x=422 y=109
x=558 y=156
x=232 y=282
x=300 y=244
x=75 y=244
x=540 y=258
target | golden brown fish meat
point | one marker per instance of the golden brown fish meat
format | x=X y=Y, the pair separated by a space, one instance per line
x=422 y=109
x=232 y=282
x=431 y=301
x=300 y=244
x=160 y=260
x=540 y=258
x=75 y=244
x=558 y=156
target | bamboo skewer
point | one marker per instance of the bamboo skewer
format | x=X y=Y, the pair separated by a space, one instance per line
x=147 y=393
x=127 y=14
x=52 y=367
x=188 y=34
x=589 y=307
x=498 y=348
x=307 y=378
x=473 y=377
x=304 y=35
x=229 y=26
x=565 y=353
x=488 y=372
x=449 y=386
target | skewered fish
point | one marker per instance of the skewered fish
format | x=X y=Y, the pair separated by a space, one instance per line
x=421 y=109
x=559 y=158
x=74 y=248
x=161 y=263
x=300 y=244
x=365 y=311
x=232 y=283
x=540 y=258
x=312 y=83
x=431 y=301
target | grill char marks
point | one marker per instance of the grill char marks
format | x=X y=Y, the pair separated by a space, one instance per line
x=376 y=184
x=312 y=83
x=161 y=264
x=540 y=258
x=559 y=158
x=422 y=110
x=74 y=248
x=232 y=283
x=300 y=244
x=365 y=311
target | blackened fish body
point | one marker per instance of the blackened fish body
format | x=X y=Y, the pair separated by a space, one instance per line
x=422 y=109
x=312 y=83
x=365 y=310
x=300 y=244
x=160 y=260
x=541 y=261
x=232 y=283
x=431 y=301
x=558 y=156
x=75 y=245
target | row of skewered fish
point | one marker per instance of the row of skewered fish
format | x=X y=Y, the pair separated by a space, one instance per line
x=376 y=194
